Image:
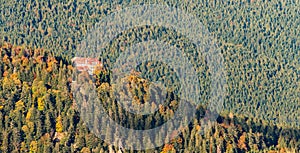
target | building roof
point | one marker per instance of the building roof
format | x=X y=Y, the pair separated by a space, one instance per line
x=86 y=64
x=83 y=60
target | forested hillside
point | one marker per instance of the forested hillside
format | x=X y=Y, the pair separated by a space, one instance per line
x=259 y=41
x=38 y=114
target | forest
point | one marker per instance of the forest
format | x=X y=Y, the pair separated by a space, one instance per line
x=259 y=41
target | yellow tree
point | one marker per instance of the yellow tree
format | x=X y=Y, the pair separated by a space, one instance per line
x=59 y=125
x=41 y=103
x=33 y=147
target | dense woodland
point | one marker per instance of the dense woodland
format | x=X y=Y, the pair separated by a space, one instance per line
x=259 y=41
x=38 y=113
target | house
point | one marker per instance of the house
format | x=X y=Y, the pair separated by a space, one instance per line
x=86 y=64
